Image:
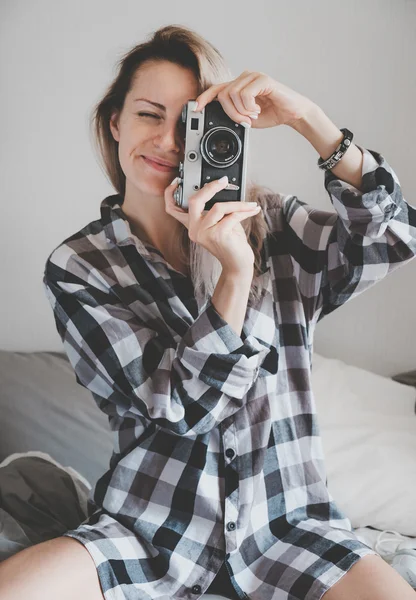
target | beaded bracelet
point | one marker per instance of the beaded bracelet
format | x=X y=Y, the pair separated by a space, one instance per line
x=341 y=149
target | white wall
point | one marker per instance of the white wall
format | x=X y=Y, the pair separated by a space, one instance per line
x=355 y=59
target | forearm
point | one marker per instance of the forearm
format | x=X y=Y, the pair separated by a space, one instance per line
x=325 y=136
x=230 y=298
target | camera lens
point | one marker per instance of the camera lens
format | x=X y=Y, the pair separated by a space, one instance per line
x=221 y=147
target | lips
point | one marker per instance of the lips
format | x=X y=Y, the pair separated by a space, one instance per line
x=160 y=162
x=158 y=167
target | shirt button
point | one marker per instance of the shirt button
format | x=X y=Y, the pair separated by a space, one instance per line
x=229 y=452
x=231 y=526
x=196 y=589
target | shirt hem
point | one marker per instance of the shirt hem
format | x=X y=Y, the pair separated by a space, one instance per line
x=345 y=565
x=108 y=594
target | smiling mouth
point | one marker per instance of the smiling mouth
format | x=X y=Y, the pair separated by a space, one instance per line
x=158 y=166
x=160 y=162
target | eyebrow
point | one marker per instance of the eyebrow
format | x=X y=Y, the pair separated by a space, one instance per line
x=150 y=102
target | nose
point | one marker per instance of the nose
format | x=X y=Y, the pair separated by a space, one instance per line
x=170 y=138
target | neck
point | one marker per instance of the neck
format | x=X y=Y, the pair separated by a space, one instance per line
x=154 y=225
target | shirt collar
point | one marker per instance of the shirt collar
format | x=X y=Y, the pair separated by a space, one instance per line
x=117 y=227
x=118 y=231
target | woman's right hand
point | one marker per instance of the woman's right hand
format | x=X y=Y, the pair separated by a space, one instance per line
x=221 y=235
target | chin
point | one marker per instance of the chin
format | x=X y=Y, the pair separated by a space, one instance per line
x=154 y=186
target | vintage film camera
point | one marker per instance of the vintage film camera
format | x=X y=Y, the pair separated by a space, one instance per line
x=214 y=146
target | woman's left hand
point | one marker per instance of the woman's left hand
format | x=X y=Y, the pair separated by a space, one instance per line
x=257 y=93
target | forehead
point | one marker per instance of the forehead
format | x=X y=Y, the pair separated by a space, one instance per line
x=169 y=81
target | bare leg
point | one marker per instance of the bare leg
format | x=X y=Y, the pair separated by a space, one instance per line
x=58 y=568
x=371 y=578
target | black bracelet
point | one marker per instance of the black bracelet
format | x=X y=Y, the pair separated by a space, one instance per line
x=330 y=162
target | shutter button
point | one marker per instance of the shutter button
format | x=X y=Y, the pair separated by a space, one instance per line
x=229 y=452
x=196 y=589
x=231 y=526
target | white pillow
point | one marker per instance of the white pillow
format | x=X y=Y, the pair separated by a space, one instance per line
x=368 y=429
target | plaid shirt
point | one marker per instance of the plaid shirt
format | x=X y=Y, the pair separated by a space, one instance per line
x=217 y=453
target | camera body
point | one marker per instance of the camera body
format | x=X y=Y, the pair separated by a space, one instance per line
x=214 y=146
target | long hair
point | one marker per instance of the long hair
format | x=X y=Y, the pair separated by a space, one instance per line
x=186 y=48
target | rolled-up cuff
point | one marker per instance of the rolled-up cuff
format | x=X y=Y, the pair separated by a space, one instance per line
x=216 y=354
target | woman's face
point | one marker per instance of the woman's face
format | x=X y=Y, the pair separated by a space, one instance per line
x=145 y=130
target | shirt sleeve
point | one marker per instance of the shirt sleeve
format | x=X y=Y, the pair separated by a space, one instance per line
x=336 y=256
x=188 y=387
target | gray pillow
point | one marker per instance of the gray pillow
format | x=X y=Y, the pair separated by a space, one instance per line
x=39 y=500
x=42 y=407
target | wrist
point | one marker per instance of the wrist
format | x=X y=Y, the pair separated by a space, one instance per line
x=319 y=130
x=240 y=278
x=309 y=113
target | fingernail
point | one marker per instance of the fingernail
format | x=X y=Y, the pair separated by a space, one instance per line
x=252 y=203
x=254 y=116
x=196 y=106
x=245 y=124
x=175 y=180
x=223 y=179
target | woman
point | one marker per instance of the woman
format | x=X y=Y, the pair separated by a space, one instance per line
x=194 y=333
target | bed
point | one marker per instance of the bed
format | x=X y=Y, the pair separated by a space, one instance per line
x=55 y=443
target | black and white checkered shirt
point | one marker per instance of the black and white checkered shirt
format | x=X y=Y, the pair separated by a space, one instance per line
x=217 y=452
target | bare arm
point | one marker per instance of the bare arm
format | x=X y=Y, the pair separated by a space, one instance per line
x=325 y=136
x=230 y=298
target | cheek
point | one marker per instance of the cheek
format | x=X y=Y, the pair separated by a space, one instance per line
x=132 y=142
x=141 y=135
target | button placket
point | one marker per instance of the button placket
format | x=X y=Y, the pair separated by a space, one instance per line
x=230 y=441
x=231 y=502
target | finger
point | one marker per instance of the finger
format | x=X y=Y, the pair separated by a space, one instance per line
x=251 y=90
x=196 y=202
x=209 y=95
x=228 y=223
x=245 y=103
x=229 y=107
x=220 y=209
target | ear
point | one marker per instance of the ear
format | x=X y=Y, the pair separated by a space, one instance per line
x=114 y=126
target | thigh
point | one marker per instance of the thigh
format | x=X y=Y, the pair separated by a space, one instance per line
x=370 y=578
x=58 y=568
